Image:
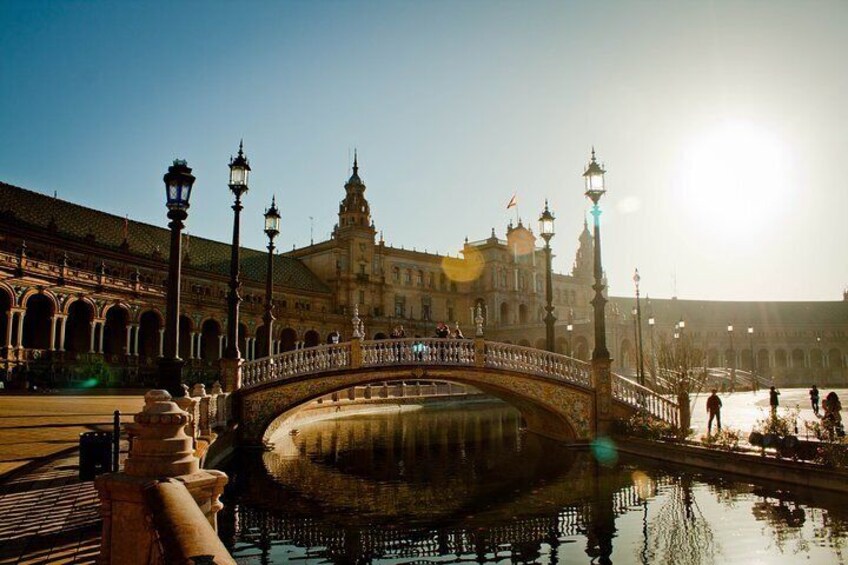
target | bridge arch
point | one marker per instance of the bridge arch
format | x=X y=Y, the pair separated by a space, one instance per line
x=548 y=408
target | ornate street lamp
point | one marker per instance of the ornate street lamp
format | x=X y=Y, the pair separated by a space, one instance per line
x=570 y=329
x=638 y=316
x=732 y=359
x=178 y=184
x=651 y=322
x=272 y=229
x=546 y=229
x=595 y=188
x=239 y=171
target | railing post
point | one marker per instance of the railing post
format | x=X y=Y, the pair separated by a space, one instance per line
x=479 y=352
x=231 y=370
x=602 y=382
x=355 y=353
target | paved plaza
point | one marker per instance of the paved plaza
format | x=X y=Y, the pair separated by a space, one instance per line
x=49 y=516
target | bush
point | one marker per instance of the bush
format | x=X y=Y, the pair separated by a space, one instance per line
x=645 y=426
x=781 y=426
x=833 y=454
x=726 y=440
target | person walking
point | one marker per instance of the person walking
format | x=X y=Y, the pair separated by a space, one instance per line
x=714 y=410
x=773 y=400
x=814 y=399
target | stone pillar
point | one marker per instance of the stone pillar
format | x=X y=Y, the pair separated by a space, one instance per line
x=52 y=346
x=161 y=342
x=128 y=346
x=231 y=374
x=603 y=395
x=220 y=346
x=100 y=337
x=161 y=449
x=137 y=329
x=93 y=325
x=10 y=317
x=62 y=324
x=193 y=338
x=20 y=340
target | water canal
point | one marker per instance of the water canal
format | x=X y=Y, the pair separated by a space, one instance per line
x=465 y=484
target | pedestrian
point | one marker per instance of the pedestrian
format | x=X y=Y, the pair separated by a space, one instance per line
x=457 y=333
x=832 y=420
x=814 y=399
x=773 y=401
x=714 y=410
x=442 y=330
x=334 y=337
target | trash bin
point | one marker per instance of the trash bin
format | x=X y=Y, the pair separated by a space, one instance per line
x=95 y=455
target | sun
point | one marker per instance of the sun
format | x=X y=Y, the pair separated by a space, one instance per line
x=734 y=179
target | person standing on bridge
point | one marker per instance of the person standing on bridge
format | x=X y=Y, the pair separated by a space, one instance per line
x=714 y=410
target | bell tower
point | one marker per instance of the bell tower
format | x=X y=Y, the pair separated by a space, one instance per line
x=354 y=211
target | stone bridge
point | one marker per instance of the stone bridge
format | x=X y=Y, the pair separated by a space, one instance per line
x=558 y=396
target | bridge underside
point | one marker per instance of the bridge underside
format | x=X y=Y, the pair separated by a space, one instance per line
x=549 y=408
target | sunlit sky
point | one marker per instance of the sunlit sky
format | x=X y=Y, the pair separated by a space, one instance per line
x=723 y=125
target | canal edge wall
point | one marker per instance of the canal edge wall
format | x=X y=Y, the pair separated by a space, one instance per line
x=742 y=465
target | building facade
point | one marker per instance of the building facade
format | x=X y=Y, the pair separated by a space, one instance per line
x=82 y=298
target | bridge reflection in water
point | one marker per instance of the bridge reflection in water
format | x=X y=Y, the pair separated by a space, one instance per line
x=461 y=485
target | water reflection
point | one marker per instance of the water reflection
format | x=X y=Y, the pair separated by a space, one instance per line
x=467 y=485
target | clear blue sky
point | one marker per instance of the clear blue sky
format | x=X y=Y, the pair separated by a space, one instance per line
x=723 y=125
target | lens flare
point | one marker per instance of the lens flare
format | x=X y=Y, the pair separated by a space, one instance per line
x=644 y=485
x=467 y=269
x=605 y=451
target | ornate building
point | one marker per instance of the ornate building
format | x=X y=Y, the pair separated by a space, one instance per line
x=82 y=293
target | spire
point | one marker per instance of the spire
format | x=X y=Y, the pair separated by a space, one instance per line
x=241 y=148
x=355 y=163
x=593 y=153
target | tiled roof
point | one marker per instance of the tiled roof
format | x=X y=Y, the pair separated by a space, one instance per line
x=720 y=313
x=106 y=230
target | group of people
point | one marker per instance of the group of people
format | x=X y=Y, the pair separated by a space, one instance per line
x=832 y=419
x=442 y=331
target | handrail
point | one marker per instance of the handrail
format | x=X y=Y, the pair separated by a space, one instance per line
x=538 y=362
x=640 y=397
x=417 y=351
x=296 y=363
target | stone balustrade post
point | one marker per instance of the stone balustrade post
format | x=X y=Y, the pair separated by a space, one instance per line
x=479 y=352
x=602 y=381
x=355 y=354
x=160 y=449
x=231 y=373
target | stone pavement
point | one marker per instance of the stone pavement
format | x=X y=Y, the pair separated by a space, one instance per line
x=48 y=515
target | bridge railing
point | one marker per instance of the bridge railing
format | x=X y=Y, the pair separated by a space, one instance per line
x=538 y=362
x=295 y=363
x=413 y=351
x=637 y=396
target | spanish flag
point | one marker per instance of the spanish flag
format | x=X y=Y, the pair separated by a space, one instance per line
x=512 y=201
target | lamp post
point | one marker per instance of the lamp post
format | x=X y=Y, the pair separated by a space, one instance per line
x=651 y=322
x=594 y=177
x=178 y=184
x=732 y=359
x=570 y=329
x=753 y=357
x=641 y=359
x=272 y=228
x=546 y=229
x=239 y=171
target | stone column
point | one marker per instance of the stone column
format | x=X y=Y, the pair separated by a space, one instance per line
x=137 y=329
x=128 y=346
x=100 y=337
x=191 y=345
x=220 y=346
x=10 y=317
x=161 y=341
x=20 y=340
x=62 y=324
x=52 y=346
x=93 y=325
x=160 y=449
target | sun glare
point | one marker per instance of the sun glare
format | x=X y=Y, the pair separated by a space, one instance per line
x=735 y=179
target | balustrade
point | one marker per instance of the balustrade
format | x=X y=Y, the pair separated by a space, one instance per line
x=633 y=394
x=538 y=362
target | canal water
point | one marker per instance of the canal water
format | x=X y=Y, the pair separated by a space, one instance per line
x=465 y=484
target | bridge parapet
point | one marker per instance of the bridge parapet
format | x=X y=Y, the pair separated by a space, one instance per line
x=637 y=396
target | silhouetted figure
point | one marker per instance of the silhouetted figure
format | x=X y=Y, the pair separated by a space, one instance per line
x=832 y=420
x=814 y=399
x=773 y=400
x=714 y=410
